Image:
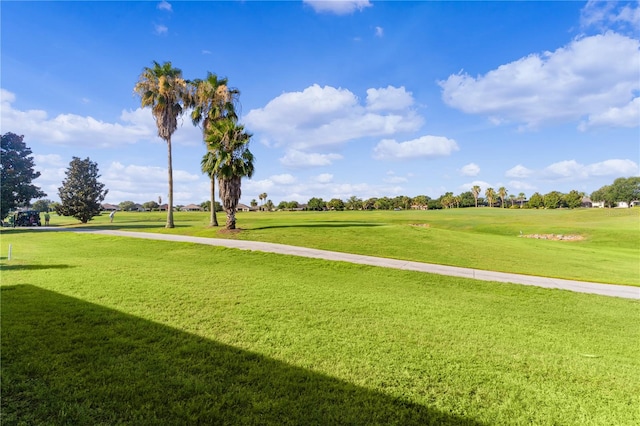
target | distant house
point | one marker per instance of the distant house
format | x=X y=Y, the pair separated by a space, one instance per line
x=419 y=207
x=586 y=202
x=192 y=208
x=163 y=207
x=597 y=204
x=244 y=208
x=109 y=207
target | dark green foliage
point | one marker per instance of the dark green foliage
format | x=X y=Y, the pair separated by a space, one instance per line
x=16 y=174
x=42 y=205
x=316 y=204
x=536 y=201
x=335 y=204
x=622 y=190
x=81 y=193
x=552 y=200
x=573 y=199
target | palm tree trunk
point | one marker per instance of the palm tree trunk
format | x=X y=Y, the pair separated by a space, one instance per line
x=214 y=218
x=170 y=201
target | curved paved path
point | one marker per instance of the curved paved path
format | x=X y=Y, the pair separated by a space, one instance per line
x=613 y=290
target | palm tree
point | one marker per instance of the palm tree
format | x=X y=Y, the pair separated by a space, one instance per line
x=490 y=193
x=512 y=198
x=211 y=100
x=521 y=198
x=476 y=192
x=163 y=89
x=228 y=142
x=502 y=193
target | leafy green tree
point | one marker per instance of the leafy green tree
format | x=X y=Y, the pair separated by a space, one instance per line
x=476 y=193
x=150 y=205
x=42 y=205
x=552 y=200
x=293 y=205
x=353 y=203
x=369 y=203
x=269 y=206
x=536 y=201
x=81 y=193
x=16 y=174
x=421 y=201
x=127 y=206
x=466 y=199
x=316 y=204
x=254 y=203
x=283 y=205
x=626 y=189
x=230 y=144
x=335 y=204
x=163 y=89
x=573 y=199
x=384 y=203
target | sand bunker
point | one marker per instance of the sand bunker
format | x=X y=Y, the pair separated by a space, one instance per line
x=555 y=237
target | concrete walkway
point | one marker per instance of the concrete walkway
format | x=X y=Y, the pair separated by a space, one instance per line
x=476 y=274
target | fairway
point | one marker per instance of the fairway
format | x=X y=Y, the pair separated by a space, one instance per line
x=483 y=238
x=99 y=329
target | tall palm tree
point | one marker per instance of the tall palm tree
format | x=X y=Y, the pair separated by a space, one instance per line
x=229 y=141
x=162 y=88
x=502 y=193
x=211 y=99
x=490 y=193
x=476 y=192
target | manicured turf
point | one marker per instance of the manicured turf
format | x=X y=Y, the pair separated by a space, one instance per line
x=480 y=238
x=107 y=330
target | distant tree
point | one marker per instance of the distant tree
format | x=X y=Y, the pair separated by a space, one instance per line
x=42 y=205
x=383 y=203
x=293 y=205
x=536 y=201
x=552 y=200
x=127 y=206
x=502 y=193
x=150 y=205
x=490 y=193
x=269 y=206
x=16 y=174
x=447 y=200
x=626 y=189
x=421 y=201
x=163 y=89
x=335 y=204
x=316 y=204
x=81 y=193
x=466 y=199
x=476 y=193
x=254 y=203
x=369 y=203
x=353 y=203
x=512 y=198
x=573 y=199
x=282 y=205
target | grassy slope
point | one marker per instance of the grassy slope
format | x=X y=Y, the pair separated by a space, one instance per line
x=100 y=329
x=476 y=238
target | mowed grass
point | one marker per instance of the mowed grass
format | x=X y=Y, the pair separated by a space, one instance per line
x=483 y=238
x=108 y=330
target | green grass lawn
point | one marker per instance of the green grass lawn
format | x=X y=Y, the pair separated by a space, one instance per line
x=481 y=238
x=107 y=330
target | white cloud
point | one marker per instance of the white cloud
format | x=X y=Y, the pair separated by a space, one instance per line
x=626 y=116
x=520 y=186
x=423 y=147
x=468 y=186
x=283 y=179
x=45 y=160
x=338 y=7
x=295 y=158
x=588 y=77
x=160 y=29
x=165 y=5
x=389 y=99
x=396 y=179
x=471 y=169
x=324 y=178
x=608 y=14
x=77 y=130
x=573 y=171
x=324 y=116
x=379 y=31
x=519 y=171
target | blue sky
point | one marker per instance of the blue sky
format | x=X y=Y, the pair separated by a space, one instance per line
x=359 y=98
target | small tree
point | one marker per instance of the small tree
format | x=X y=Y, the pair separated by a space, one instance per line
x=127 y=206
x=536 y=201
x=16 y=175
x=81 y=193
x=42 y=205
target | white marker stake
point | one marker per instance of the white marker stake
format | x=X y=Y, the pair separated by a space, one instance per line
x=9 y=256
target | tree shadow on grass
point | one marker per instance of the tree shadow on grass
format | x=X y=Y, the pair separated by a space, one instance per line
x=66 y=361
x=12 y=267
x=323 y=224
